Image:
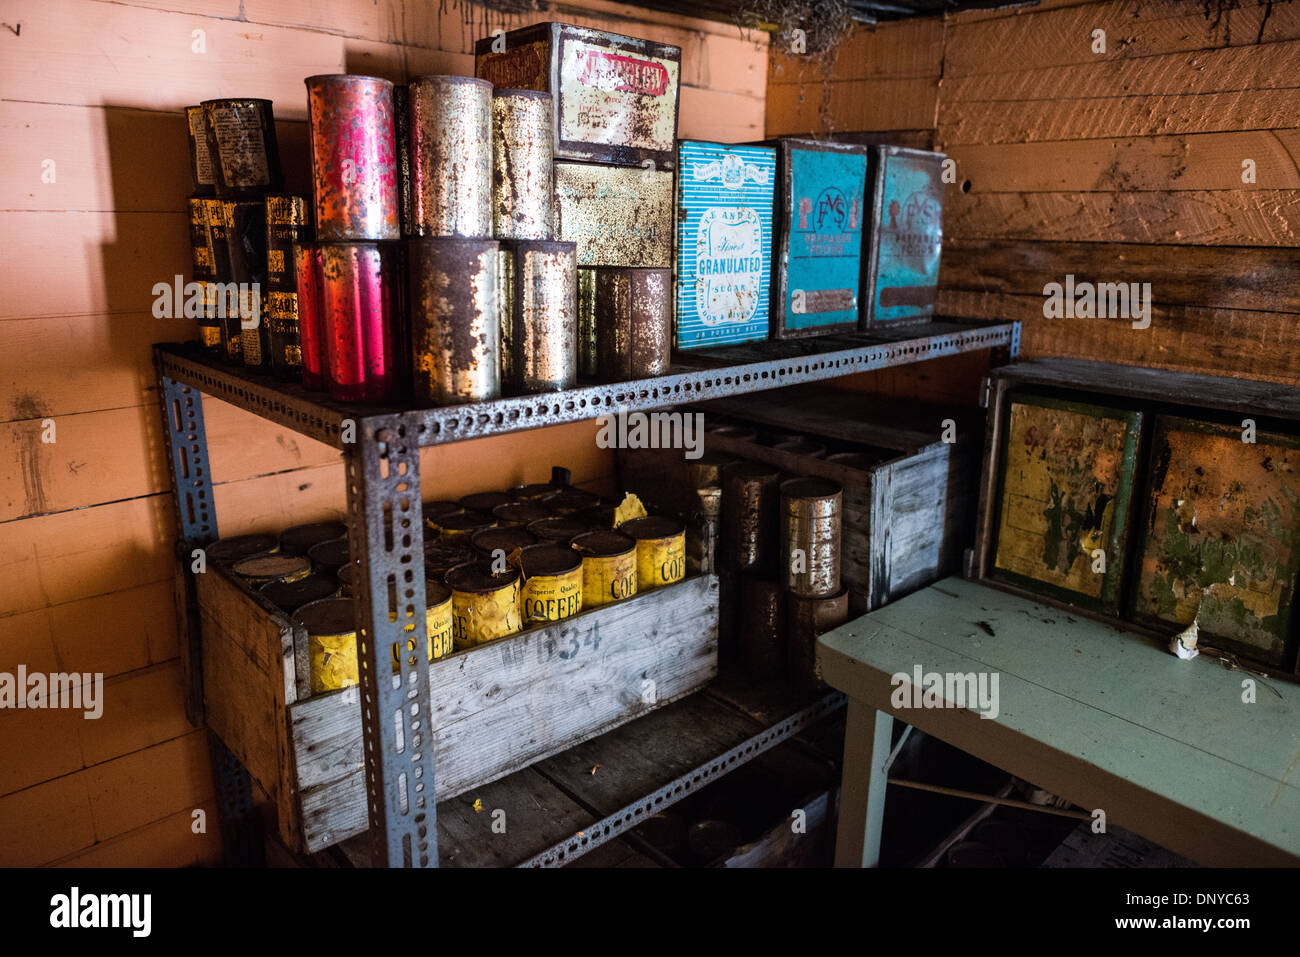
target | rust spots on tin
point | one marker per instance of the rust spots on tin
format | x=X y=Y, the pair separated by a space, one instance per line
x=455 y=329
x=540 y=319
x=451 y=156
x=634 y=322
x=522 y=164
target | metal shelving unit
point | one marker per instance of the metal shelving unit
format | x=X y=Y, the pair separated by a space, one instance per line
x=381 y=448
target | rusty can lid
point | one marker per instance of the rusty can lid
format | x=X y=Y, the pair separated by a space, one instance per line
x=521 y=513
x=465 y=521
x=802 y=445
x=558 y=529
x=436 y=593
x=507 y=538
x=549 y=558
x=569 y=501
x=299 y=539
x=227 y=551
x=434 y=509
x=329 y=617
x=604 y=544
x=597 y=517
x=652 y=526
x=266 y=568
x=529 y=493
x=478 y=578
x=810 y=487
x=485 y=501
x=332 y=554
x=290 y=596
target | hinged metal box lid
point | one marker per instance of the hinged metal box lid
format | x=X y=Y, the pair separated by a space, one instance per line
x=820 y=211
x=618 y=215
x=900 y=273
x=615 y=96
x=724 y=243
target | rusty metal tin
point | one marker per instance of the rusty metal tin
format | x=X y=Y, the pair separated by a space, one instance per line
x=802 y=445
x=539 y=323
x=246 y=240
x=536 y=491
x=290 y=596
x=311 y=313
x=431 y=511
x=224 y=306
x=552 y=583
x=331 y=643
x=438 y=622
x=587 y=323
x=598 y=517
x=484 y=501
x=750 y=500
x=353 y=158
x=706 y=528
x=329 y=556
x=660 y=550
x=617 y=216
x=762 y=641
x=608 y=567
x=360 y=322
x=299 y=539
x=634 y=322
x=227 y=551
x=260 y=569
x=458 y=528
x=242 y=145
x=440 y=558
x=485 y=604
x=741 y=433
x=286 y=224
x=402 y=135
x=201 y=170
x=810 y=536
x=805 y=619
x=507 y=539
x=201 y=271
x=520 y=513
x=347 y=579
x=451 y=156
x=706 y=471
x=569 y=501
x=455 y=329
x=522 y=164
x=558 y=529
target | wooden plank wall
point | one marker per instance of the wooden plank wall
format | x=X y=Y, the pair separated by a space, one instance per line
x=98 y=88
x=1123 y=166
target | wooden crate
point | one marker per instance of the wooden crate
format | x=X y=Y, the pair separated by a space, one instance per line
x=498 y=707
x=905 y=520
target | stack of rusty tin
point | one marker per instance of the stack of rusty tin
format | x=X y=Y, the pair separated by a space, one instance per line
x=613 y=124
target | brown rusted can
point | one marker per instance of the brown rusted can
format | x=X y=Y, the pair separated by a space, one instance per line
x=810 y=536
x=598 y=517
x=523 y=179
x=311 y=314
x=201 y=170
x=705 y=529
x=762 y=643
x=353 y=158
x=569 y=501
x=802 y=445
x=587 y=323
x=805 y=619
x=246 y=240
x=521 y=513
x=286 y=224
x=506 y=539
x=455 y=329
x=359 y=321
x=634 y=322
x=224 y=296
x=451 y=156
x=347 y=579
x=539 y=319
x=750 y=499
x=242 y=145
x=299 y=539
x=706 y=471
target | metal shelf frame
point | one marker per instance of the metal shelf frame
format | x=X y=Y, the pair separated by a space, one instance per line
x=382 y=468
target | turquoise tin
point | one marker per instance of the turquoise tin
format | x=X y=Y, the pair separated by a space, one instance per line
x=724 y=243
x=901 y=272
x=819 y=263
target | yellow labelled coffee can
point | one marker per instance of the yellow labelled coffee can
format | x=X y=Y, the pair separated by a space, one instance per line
x=810 y=536
x=227 y=551
x=261 y=569
x=299 y=539
x=440 y=558
x=484 y=604
x=290 y=596
x=328 y=557
x=437 y=599
x=485 y=501
x=608 y=567
x=520 y=513
x=552 y=588
x=331 y=626
x=506 y=539
x=459 y=527
x=560 y=529
x=660 y=550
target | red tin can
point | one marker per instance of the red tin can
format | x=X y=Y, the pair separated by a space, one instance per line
x=354 y=158
x=306 y=267
x=359 y=286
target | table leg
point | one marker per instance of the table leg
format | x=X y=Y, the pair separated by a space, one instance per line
x=862 y=789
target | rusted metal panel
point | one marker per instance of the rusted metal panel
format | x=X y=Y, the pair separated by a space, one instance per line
x=1221 y=536
x=616 y=97
x=539 y=320
x=617 y=216
x=451 y=156
x=359 y=284
x=455 y=327
x=354 y=158
x=1063 y=511
x=523 y=173
x=242 y=146
x=901 y=260
x=633 y=323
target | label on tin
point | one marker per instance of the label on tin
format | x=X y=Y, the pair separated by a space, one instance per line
x=910 y=236
x=614 y=97
x=203 y=172
x=824 y=221
x=660 y=561
x=608 y=579
x=480 y=618
x=552 y=597
x=252 y=346
x=617 y=215
x=523 y=68
x=240 y=147
x=210 y=336
x=724 y=243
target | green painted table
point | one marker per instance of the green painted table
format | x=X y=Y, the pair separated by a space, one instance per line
x=1103 y=717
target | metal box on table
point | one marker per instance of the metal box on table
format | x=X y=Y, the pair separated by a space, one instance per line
x=615 y=96
x=900 y=264
x=724 y=243
x=618 y=215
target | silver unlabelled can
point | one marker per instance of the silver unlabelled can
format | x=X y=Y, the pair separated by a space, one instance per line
x=810 y=536
x=587 y=323
x=523 y=172
x=451 y=156
x=702 y=543
x=539 y=316
x=749 y=509
x=634 y=322
x=455 y=330
x=805 y=619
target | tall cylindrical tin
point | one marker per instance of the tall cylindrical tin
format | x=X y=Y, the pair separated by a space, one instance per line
x=523 y=174
x=539 y=327
x=608 y=567
x=750 y=500
x=805 y=619
x=201 y=171
x=485 y=604
x=331 y=627
x=286 y=224
x=587 y=366
x=660 y=550
x=762 y=644
x=223 y=301
x=455 y=330
x=241 y=142
x=201 y=273
x=810 y=536
x=311 y=313
x=552 y=583
x=402 y=133
x=702 y=543
x=246 y=239
x=451 y=156
x=359 y=320
x=353 y=158
x=634 y=322
x=706 y=471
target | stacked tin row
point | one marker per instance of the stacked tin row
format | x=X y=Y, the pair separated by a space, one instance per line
x=241 y=232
